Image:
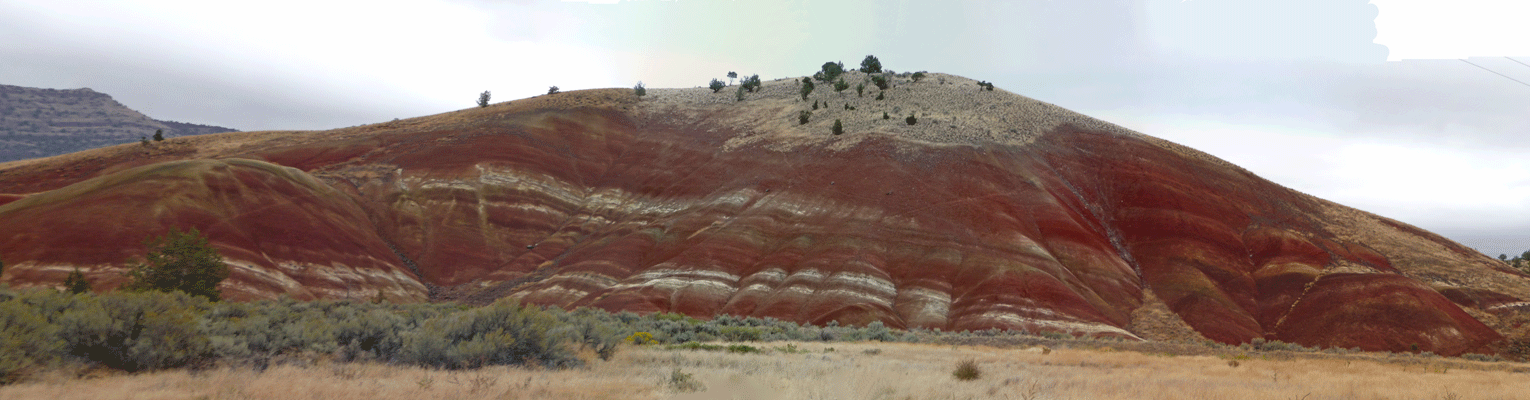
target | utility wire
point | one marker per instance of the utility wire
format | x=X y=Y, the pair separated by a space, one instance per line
x=1495 y=72
x=1520 y=63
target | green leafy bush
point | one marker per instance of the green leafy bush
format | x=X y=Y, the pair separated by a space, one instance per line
x=716 y=85
x=807 y=88
x=880 y=81
x=838 y=128
x=917 y=76
x=751 y=83
x=640 y=90
x=505 y=333
x=29 y=340
x=803 y=116
x=840 y=85
x=136 y=331
x=483 y=99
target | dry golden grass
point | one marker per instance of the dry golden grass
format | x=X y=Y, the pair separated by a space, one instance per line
x=850 y=371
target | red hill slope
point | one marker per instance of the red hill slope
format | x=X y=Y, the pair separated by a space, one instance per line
x=993 y=211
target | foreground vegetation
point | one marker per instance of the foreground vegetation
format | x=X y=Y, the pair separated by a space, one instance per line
x=819 y=370
x=143 y=331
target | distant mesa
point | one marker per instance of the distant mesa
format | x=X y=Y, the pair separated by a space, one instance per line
x=38 y=123
x=994 y=211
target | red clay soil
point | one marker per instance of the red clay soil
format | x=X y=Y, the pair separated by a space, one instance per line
x=606 y=206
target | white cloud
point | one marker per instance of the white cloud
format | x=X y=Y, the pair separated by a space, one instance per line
x=1423 y=29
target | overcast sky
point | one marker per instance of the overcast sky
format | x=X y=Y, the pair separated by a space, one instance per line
x=1405 y=108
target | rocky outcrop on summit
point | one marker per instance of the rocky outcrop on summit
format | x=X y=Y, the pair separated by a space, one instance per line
x=993 y=211
x=46 y=122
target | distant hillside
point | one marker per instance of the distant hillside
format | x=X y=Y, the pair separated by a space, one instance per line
x=938 y=203
x=46 y=122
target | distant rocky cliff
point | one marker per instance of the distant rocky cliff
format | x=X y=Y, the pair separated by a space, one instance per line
x=45 y=122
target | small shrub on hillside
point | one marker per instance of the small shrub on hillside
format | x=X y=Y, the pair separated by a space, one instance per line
x=738 y=95
x=716 y=85
x=552 y=90
x=840 y=85
x=483 y=99
x=967 y=370
x=911 y=120
x=917 y=76
x=885 y=116
x=807 y=88
x=860 y=90
x=880 y=81
x=838 y=128
x=985 y=86
x=803 y=116
x=640 y=90
x=880 y=96
x=752 y=83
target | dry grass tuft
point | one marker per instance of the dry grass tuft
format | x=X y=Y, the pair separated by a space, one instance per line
x=967 y=370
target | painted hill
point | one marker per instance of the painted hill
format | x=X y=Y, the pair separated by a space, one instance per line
x=993 y=211
x=47 y=122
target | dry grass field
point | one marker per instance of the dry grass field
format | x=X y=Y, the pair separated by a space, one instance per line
x=872 y=370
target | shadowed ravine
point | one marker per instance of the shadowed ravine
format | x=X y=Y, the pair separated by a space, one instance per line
x=995 y=211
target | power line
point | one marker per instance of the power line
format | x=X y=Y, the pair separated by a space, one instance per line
x=1495 y=72
x=1520 y=63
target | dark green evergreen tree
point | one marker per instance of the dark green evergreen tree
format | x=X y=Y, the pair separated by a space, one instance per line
x=180 y=261
x=871 y=65
x=76 y=283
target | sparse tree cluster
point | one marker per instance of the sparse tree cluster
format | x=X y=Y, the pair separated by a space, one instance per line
x=752 y=83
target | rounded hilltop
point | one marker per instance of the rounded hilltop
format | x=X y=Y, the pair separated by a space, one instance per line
x=948 y=109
